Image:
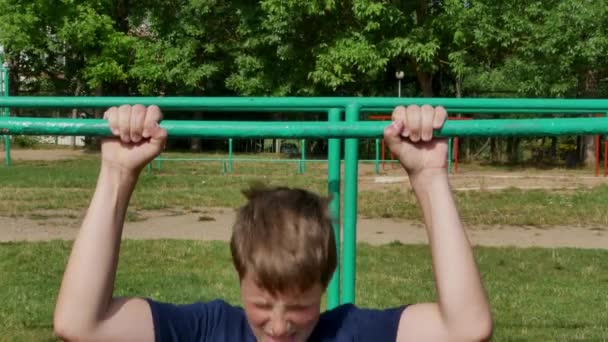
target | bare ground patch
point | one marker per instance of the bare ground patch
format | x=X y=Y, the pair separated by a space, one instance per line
x=216 y=223
x=44 y=154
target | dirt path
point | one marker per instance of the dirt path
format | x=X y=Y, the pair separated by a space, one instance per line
x=43 y=154
x=214 y=224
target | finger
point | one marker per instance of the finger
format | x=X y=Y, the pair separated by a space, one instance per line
x=413 y=122
x=426 y=122
x=138 y=115
x=152 y=117
x=112 y=116
x=392 y=134
x=158 y=137
x=124 y=123
x=399 y=115
x=440 y=116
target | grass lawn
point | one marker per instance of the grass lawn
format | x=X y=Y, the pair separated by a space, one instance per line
x=536 y=294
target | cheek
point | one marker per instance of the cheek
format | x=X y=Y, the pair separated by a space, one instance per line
x=256 y=316
x=304 y=318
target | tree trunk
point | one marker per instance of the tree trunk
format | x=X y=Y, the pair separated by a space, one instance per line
x=553 y=149
x=493 y=150
x=196 y=143
x=588 y=141
x=426 y=83
x=589 y=149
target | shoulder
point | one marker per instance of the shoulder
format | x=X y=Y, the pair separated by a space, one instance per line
x=349 y=322
x=215 y=320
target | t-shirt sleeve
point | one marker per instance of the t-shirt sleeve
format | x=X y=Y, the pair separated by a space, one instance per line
x=377 y=325
x=191 y=322
x=350 y=323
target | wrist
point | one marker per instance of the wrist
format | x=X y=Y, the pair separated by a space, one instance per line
x=426 y=178
x=117 y=174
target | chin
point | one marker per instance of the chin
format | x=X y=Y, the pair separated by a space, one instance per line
x=290 y=338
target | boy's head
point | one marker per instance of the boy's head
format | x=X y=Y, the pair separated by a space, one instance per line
x=284 y=251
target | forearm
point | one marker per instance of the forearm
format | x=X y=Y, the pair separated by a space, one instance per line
x=462 y=299
x=86 y=289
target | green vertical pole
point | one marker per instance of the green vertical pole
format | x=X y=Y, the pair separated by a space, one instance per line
x=303 y=157
x=6 y=111
x=333 y=189
x=377 y=156
x=450 y=143
x=230 y=155
x=149 y=168
x=349 y=247
x=158 y=162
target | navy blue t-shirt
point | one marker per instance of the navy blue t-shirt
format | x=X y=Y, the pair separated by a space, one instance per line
x=219 y=321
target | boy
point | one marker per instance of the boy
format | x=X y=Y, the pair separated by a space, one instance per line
x=283 y=250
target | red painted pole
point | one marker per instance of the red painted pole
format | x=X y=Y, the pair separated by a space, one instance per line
x=605 y=157
x=455 y=153
x=597 y=155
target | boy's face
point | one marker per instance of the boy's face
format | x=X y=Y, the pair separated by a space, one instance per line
x=283 y=317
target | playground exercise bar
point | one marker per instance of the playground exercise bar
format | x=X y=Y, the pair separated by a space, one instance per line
x=351 y=130
x=366 y=104
x=4 y=79
x=351 y=173
x=333 y=186
x=309 y=129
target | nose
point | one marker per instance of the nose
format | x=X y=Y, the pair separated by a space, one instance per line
x=279 y=326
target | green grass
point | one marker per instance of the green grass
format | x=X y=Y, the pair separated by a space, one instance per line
x=536 y=294
x=32 y=188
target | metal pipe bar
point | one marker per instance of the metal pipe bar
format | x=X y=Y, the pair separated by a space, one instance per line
x=5 y=111
x=309 y=129
x=469 y=105
x=333 y=190
x=351 y=174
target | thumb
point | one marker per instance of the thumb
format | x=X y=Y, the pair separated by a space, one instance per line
x=158 y=138
x=392 y=134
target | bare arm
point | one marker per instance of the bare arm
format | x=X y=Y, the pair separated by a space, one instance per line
x=85 y=308
x=462 y=311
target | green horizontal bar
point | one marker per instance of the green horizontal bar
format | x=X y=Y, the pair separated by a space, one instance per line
x=252 y=160
x=309 y=129
x=470 y=105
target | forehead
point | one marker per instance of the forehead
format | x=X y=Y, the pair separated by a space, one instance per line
x=250 y=288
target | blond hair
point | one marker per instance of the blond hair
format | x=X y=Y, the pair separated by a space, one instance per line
x=283 y=237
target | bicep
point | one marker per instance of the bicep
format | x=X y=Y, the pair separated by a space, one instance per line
x=127 y=319
x=422 y=322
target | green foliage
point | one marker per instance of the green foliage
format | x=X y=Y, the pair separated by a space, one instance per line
x=320 y=47
x=25 y=141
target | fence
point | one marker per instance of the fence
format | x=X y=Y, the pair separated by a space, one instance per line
x=342 y=285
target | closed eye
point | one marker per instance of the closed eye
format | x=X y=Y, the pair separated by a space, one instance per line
x=262 y=306
x=297 y=307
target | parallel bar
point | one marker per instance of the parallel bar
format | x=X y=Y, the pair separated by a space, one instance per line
x=5 y=111
x=311 y=129
x=349 y=251
x=470 y=105
x=302 y=156
x=333 y=189
x=450 y=146
x=377 y=162
x=230 y=157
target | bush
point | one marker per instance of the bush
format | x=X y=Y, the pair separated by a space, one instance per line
x=25 y=141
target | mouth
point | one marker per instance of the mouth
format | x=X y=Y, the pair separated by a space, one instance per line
x=287 y=338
